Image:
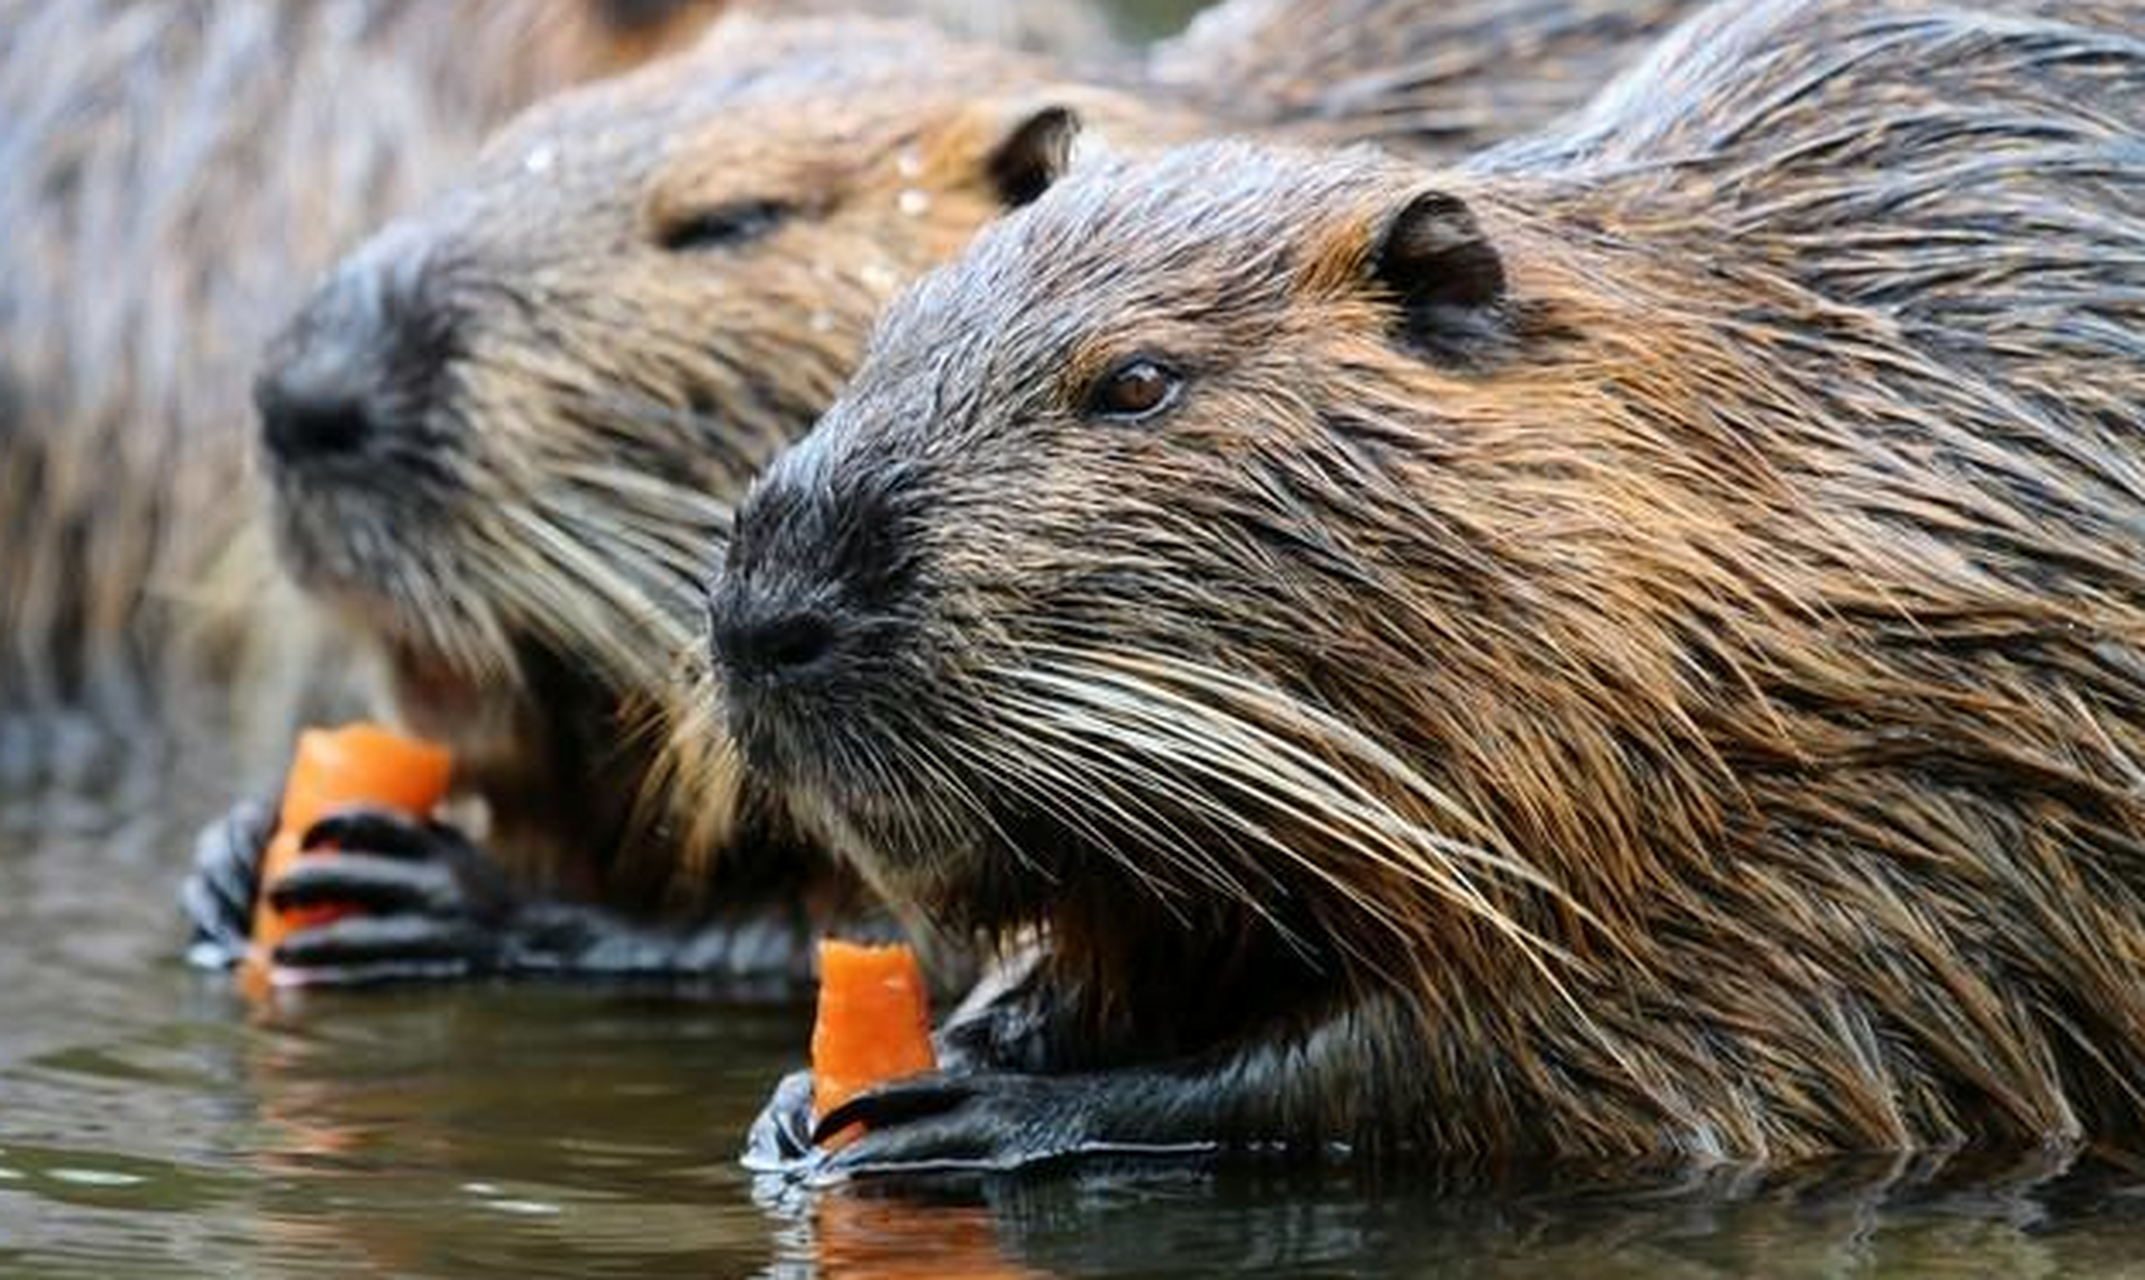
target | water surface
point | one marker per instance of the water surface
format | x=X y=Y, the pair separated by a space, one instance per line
x=155 y=1121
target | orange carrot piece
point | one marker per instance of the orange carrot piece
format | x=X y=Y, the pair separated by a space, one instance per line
x=874 y=1022
x=357 y=764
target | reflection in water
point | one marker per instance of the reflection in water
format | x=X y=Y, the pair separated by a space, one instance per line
x=2040 y=1213
x=152 y=1121
x=508 y=1131
x=886 y=1232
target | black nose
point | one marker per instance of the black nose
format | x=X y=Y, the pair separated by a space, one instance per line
x=757 y=640
x=358 y=362
x=311 y=412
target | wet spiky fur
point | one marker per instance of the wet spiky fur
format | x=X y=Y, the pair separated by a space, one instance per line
x=1694 y=707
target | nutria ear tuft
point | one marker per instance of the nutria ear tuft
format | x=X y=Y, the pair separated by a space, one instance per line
x=1449 y=278
x=1033 y=154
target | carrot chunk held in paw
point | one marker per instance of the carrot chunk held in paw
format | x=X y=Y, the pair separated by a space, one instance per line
x=874 y=1023
x=334 y=768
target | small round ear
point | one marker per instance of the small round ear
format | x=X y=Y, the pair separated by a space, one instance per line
x=1033 y=154
x=1432 y=255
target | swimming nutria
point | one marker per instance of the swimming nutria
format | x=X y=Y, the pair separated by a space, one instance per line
x=503 y=433
x=1632 y=646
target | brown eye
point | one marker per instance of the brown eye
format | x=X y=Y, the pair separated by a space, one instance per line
x=1134 y=389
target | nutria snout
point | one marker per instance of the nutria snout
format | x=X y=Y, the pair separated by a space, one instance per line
x=356 y=427
x=356 y=370
x=813 y=605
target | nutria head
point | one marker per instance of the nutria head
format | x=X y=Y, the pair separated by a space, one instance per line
x=503 y=432
x=1102 y=568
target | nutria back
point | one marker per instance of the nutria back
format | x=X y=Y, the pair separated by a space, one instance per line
x=1447 y=77
x=1632 y=645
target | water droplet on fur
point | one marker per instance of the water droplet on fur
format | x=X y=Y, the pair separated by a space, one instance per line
x=822 y=322
x=909 y=163
x=878 y=278
x=913 y=202
x=540 y=158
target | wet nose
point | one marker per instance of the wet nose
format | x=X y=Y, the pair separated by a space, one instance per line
x=312 y=410
x=810 y=584
x=365 y=339
x=758 y=640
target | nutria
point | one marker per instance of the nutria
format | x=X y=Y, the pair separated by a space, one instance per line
x=1633 y=646
x=170 y=175
x=503 y=433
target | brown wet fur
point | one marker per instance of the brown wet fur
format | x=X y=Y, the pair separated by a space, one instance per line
x=610 y=390
x=1684 y=700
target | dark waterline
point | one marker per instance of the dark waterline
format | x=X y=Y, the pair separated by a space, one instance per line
x=154 y=1121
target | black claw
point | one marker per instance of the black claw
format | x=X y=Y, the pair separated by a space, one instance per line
x=367 y=880
x=218 y=893
x=782 y=1133
x=447 y=875
x=416 y=942
x=217 y=943
x=897 y=1103
x=941 y=1143
x=388 y=832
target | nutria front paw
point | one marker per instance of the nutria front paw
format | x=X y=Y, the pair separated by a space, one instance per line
x=781 y=1136
x=990 y=1122
x=430 y=904
x=218 y=893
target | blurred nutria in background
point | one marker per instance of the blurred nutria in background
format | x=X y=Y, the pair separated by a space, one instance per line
x=502 y=434
x=1633 y=646
x=173 y=176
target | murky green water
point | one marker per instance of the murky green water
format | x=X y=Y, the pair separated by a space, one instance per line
x=153 y=1121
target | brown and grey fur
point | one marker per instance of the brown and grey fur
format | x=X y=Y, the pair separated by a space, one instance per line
x=532 y=562
x=171 y=175
x=1449 y=77
x=1634 y=645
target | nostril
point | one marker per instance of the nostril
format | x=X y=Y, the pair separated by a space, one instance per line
x=778 y=647
x=795 y=642
x=319 y=429
x=299 y=426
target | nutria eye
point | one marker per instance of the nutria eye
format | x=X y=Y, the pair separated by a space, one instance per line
x=1135 y=389
x=724 y=225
